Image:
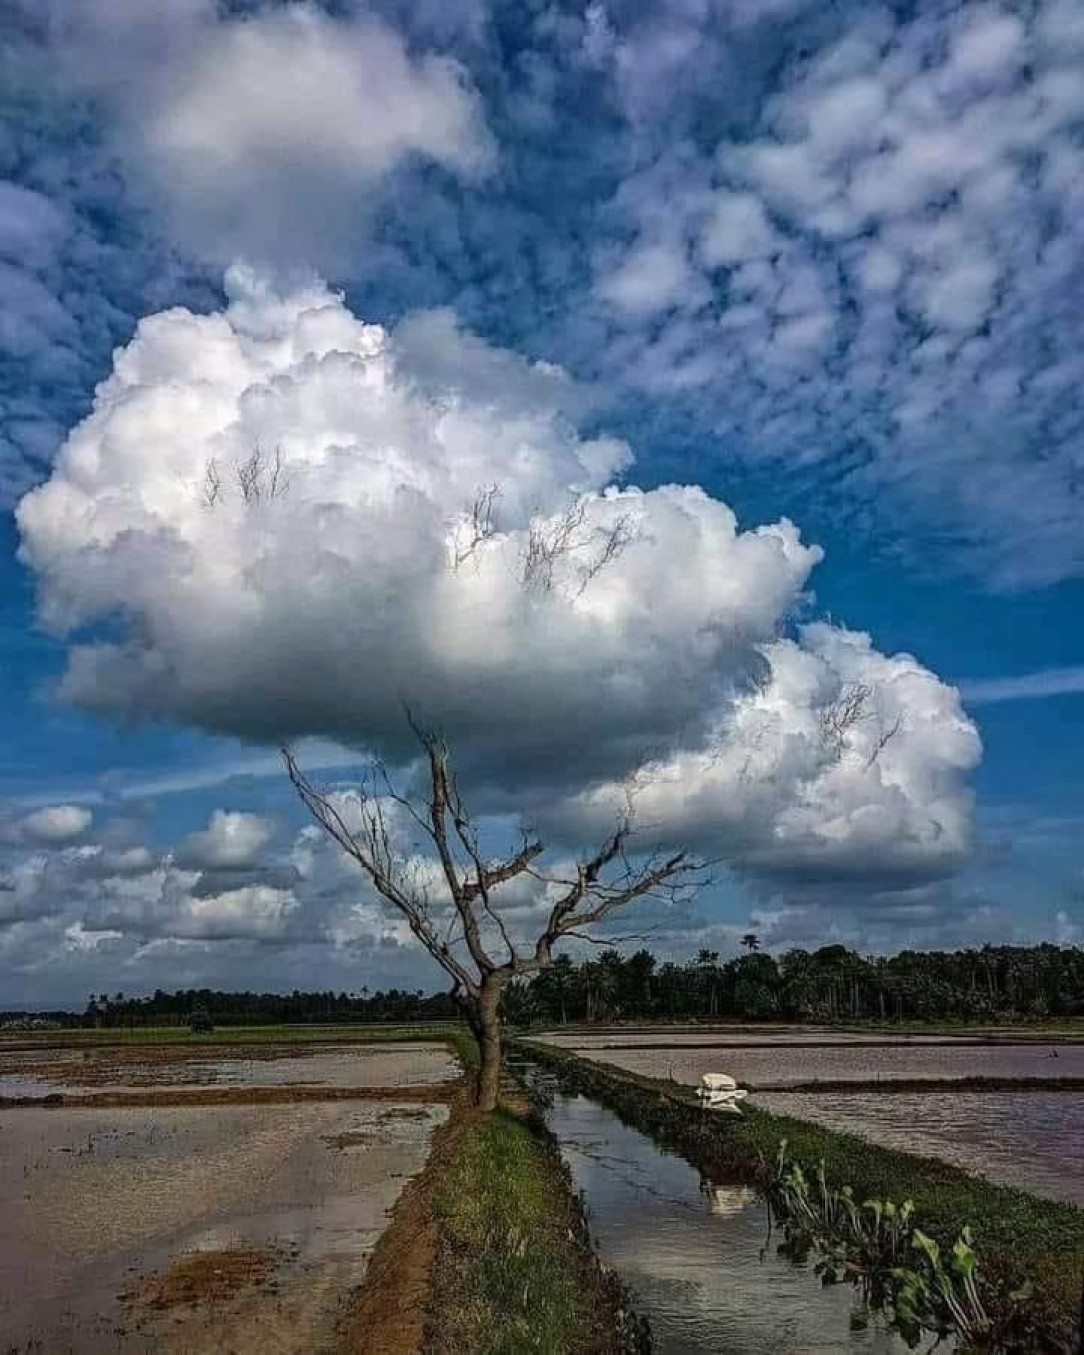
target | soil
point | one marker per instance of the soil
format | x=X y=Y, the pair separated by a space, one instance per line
x=387 y=1315
x=227 y=1096
x=203 y=1276
x=99 y=1205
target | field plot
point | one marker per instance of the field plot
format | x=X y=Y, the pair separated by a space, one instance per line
x=188 y=1228
x=1019 y=1134
x=785 y=1062
x=1026 y=1139
x=84 y=1072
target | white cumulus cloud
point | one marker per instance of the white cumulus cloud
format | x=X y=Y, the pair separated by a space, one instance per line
x=56 y=823
x=279 y=505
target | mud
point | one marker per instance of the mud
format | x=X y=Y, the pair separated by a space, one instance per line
x=202 y=1277
x=28 y=1075
x=190 y=1230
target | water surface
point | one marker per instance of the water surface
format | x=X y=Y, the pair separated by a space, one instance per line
x=696 y=1256
x=787 y=1062
x=1033 y=1140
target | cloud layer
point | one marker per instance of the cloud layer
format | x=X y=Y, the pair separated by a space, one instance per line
x=301 y=522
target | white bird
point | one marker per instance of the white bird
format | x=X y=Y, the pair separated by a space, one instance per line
x=718 y=1091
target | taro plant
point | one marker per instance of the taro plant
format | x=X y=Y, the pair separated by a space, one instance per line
x=895 y=1266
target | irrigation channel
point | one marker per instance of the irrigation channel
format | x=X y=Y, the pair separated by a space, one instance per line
x=697 y=1255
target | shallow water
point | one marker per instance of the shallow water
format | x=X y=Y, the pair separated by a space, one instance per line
x=77 y=1072
x=694 y=1255
x=1028 y=1139
x=787 y=1062
x=92 y=1199
x=618 y=1037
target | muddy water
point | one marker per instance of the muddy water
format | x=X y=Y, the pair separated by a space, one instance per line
x=38 y=1073
x=787 y=1062
x=1028 y=1139
x=618 y=1037
x=696 y=1257
x=90 y=1200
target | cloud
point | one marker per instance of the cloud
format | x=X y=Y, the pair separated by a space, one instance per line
x=231 y=841
x=574 y=635
x=55 y=824
x=1023 y=687
x=790 y=794
x=881 y=249
x=268 y=134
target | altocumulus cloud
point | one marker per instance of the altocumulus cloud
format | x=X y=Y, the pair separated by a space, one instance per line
x=273 y=504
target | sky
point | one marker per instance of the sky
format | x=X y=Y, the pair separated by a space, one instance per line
x=754 y=322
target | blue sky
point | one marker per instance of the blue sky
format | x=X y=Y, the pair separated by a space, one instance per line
x=826 y=265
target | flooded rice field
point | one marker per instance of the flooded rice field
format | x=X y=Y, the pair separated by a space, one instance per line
x=785 y=1062
x=38 y=1073
x=1028 y=1139
x=696 y=1256
x=625 y=1037
x=187 y=1228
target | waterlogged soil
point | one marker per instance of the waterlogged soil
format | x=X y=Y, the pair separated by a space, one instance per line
x=696 y=1255
x=1031 y=1140
x=1026 y=1138
x=724 y=1034
x=188 y=1229
x=786 y=1062
x=105 y=1072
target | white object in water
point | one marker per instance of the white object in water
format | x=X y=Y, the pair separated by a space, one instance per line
x=719 y=1092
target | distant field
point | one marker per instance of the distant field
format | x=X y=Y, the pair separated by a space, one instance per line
x=231 y=1035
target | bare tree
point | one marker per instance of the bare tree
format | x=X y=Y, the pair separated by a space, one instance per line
x=571 y=536
x=480 y=525
x=260 y=477
x=469 y=936
x=856 y=705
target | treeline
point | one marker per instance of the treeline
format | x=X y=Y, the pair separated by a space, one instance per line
x=253 y=1009
x=831 y=984
x=1009 y=983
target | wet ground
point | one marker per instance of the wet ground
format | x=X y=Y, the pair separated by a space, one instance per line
x=786 y=1061
x=204 y=1229
x=1026 y=1138
x=697 y=1256
x=38 y=1073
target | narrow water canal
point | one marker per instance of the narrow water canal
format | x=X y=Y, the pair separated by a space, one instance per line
x=695 y=1255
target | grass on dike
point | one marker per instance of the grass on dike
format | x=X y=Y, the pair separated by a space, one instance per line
x=514 y=1271
x=510 y=1277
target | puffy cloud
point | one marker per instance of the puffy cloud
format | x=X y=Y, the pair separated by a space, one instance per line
x=841 y=766
x=231 y=841
x=56 y=823
x=266 y=134
x=567 y=633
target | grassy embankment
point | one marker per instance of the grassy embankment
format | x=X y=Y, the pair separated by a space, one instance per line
x=1018 y=1236
x=488 y=1251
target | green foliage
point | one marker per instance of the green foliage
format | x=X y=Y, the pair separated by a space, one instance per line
x=896 y=1267
x=994 y=983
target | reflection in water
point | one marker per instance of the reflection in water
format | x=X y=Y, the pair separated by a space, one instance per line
x=1025 y=1139
x=695 y=1256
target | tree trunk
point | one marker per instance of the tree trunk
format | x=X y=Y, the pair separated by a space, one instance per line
x=489 y=1042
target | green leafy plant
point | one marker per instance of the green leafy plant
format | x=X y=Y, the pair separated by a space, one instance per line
x=896 y=1267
